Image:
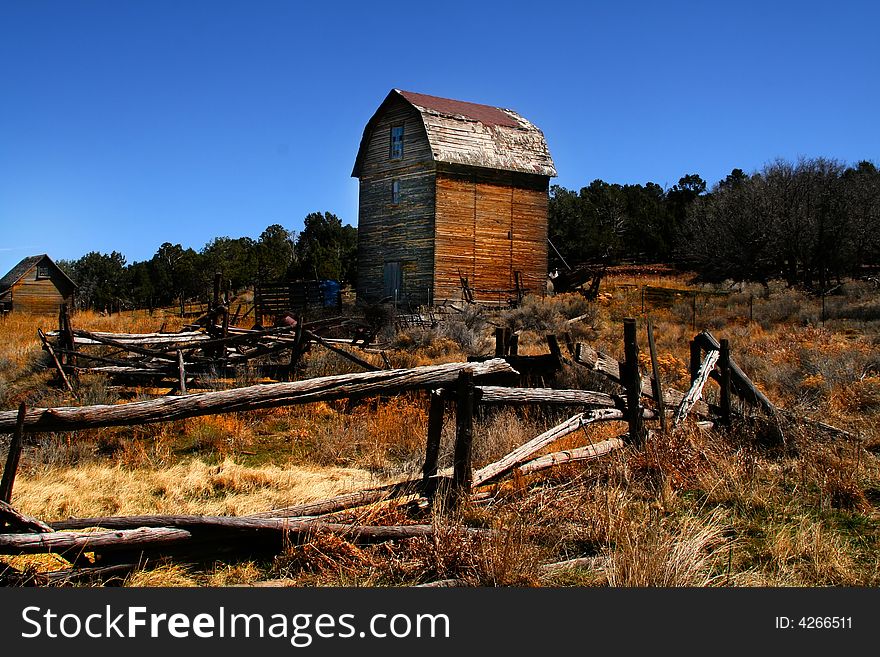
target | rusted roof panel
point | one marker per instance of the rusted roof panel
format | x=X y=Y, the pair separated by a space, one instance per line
x=476 y=135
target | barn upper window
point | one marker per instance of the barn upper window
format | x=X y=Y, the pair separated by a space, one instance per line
x=396 y=142
x=42 y=271
x=395 y=192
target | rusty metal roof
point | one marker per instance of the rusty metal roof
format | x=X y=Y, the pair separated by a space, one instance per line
x=471 y=134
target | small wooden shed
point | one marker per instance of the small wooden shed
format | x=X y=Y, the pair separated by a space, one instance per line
x=36 y=285
x=450 y=190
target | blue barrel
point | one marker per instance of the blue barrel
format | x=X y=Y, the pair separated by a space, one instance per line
x=330 y=291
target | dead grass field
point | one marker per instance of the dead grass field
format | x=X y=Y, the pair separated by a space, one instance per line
x=732 y=507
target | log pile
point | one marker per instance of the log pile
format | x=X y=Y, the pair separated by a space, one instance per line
x=201 y=350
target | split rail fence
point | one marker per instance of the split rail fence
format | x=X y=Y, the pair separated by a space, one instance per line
x=125 y=541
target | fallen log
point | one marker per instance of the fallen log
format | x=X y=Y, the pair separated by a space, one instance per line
x=522 y=453
x=346 y=501
x=220 y=528
x=361 y=384
x=18 y=520
x=64 y=542
x=570 y=455
x=504 y=395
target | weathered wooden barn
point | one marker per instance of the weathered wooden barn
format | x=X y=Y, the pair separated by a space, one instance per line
x=450 y=190
x=36 y=285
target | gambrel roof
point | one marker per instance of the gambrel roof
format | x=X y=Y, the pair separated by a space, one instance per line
x=472 y=135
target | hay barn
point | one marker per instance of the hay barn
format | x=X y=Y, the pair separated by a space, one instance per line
x=36 y=285
x=450 y=190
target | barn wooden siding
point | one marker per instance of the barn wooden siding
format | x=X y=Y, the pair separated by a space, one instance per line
x=488 y=226
x=401 y=233
x=40 y=294
x=474 y=184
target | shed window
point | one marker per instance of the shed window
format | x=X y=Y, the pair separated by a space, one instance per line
x=396 y=142
x=42 y=271
x=395 y=192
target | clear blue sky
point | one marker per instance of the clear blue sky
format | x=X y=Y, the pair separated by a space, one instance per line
x=126 y=124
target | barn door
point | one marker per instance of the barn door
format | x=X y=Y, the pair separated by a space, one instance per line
x=393 y=278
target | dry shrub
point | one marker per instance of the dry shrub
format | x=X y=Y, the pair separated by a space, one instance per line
x=322 y=552
x=802 y=551
x=661 y=554
x=165 y=575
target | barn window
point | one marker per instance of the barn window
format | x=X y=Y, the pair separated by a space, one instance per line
x=42 y=271
x=395 y=192
x=396 y=142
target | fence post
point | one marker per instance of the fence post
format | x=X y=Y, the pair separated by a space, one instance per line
x=513 y=347
x=464 y=433
x=658 y=388
x=724 y=364
x=695 y=360
x=435 y=432
x=499 y=342
x=632 y=382
x=13 y=456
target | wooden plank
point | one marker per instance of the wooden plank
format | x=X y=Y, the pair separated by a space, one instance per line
x=361 y=384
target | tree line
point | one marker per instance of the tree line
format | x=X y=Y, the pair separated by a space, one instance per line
x=324 y=249
x=808 y=223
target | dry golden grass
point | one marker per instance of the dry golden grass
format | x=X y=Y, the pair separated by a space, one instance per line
x=734 y=507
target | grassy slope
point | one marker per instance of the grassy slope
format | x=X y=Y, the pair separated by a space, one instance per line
x=736 y=507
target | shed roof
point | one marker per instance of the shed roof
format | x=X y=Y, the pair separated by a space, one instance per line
x=472 y=134
x=23 y=267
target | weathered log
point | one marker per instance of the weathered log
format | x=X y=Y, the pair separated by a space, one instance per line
x=63 y=542
x=18 y=520
x=142 y=338
x=504 y=395
x=110 y=342
x=152 y=538
x=741 y=383
x=342 y=352
x=326 y=388
x=609 y=367
x=444 y=583
x=696 y=389
x=592 y=563
x=571 y=455
x=522 y=453
x=84 y=574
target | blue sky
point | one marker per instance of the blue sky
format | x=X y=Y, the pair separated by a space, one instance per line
x=127 y=124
